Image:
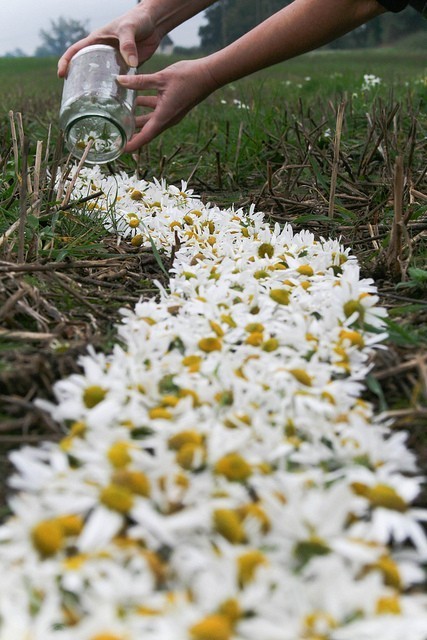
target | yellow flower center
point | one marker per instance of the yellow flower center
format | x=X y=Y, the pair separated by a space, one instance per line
x=136 y=195
x=248 y=563
x=281 y=296
x=192 y=362
x=93 y=395
x=137 y=240
x=231 y=609
x=116 y=498
x=185 y=437
x=354 y=337
x=234 y=467
x=47 y=537
x=160 y=413
x=305 y=270
x=210 y=344
x=71 y=524
x=228 y=524
x=213 y=627
x=388 y=606
x=189 y=454
x=265 y=250
x=118 y=454
x=302 y=376
x=380 y=495
x=135 y=481
x=272 y=344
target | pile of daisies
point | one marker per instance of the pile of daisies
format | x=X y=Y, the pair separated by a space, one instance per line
x=220 y=476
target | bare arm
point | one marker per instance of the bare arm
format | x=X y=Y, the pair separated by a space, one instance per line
x=138 y=32
x=301 y=26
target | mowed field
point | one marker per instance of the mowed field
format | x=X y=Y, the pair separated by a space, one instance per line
x=269 y=140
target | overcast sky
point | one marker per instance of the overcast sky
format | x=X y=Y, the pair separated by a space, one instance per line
x=21 y=20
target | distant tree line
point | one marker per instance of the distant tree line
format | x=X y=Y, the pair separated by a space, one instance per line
x=230 y=19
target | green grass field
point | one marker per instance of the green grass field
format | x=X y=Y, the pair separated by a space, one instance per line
x=268 y=140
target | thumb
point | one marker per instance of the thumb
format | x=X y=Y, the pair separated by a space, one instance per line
x=128 y=48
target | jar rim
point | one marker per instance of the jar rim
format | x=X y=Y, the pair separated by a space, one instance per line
x=94 y=47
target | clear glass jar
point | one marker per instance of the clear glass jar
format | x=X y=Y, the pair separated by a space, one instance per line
x=95 y=107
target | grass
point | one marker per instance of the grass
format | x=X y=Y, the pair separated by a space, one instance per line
x=269 y=140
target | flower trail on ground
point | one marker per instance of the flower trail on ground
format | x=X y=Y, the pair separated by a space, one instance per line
x=220 y=476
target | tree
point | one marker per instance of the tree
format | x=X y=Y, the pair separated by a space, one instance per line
x=62 y=33
x=230 y=19
x=16 y=53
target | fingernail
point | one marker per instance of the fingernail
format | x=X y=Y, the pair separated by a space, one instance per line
x=132 y=60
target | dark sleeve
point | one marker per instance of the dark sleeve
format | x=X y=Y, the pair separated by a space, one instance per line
x=394 y=5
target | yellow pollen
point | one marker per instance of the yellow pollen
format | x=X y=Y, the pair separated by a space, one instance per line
x=389 y=569
x=190 y=393
x=388 y=606
x=354 y=337
x=248 y=563
x=187 y=455
x=228 y=320
x=133 y=223
x=147 y=611
x=354 y=306
x=185 y=437
x=272 y=344
x=231 y=610
x=137 y=240
x=77 y=429
x=253 y=510
x=93 y=395
x=254 y=327
x=380 y=495
x=135 y=481
x=228 y=524
x=302 y=376
x=216 y=328
x=193 y=363
x=305 y=270
x=234 y=467
x=47 y=537
x=281 y=296
x=210 y=344
x=255 y=339
x=71 y=524
x=117 y=498
x=213 y=627
x=136 y=195
x=74 y=563
x=160 y=413
x=261 y=274
x=265 y=250
x=118 y=454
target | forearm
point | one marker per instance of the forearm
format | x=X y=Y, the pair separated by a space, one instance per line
x=301 y=26
x=168 y=14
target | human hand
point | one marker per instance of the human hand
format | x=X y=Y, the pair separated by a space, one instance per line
x=134 y=33
x=179 y=88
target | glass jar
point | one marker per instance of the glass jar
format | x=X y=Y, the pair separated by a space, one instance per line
x=95 y=107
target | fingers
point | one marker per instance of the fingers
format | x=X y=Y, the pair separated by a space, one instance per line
x=139 y=82
x=65 y=59
x=127 y=45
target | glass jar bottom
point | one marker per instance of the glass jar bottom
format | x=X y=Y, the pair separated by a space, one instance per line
x=108 y=138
